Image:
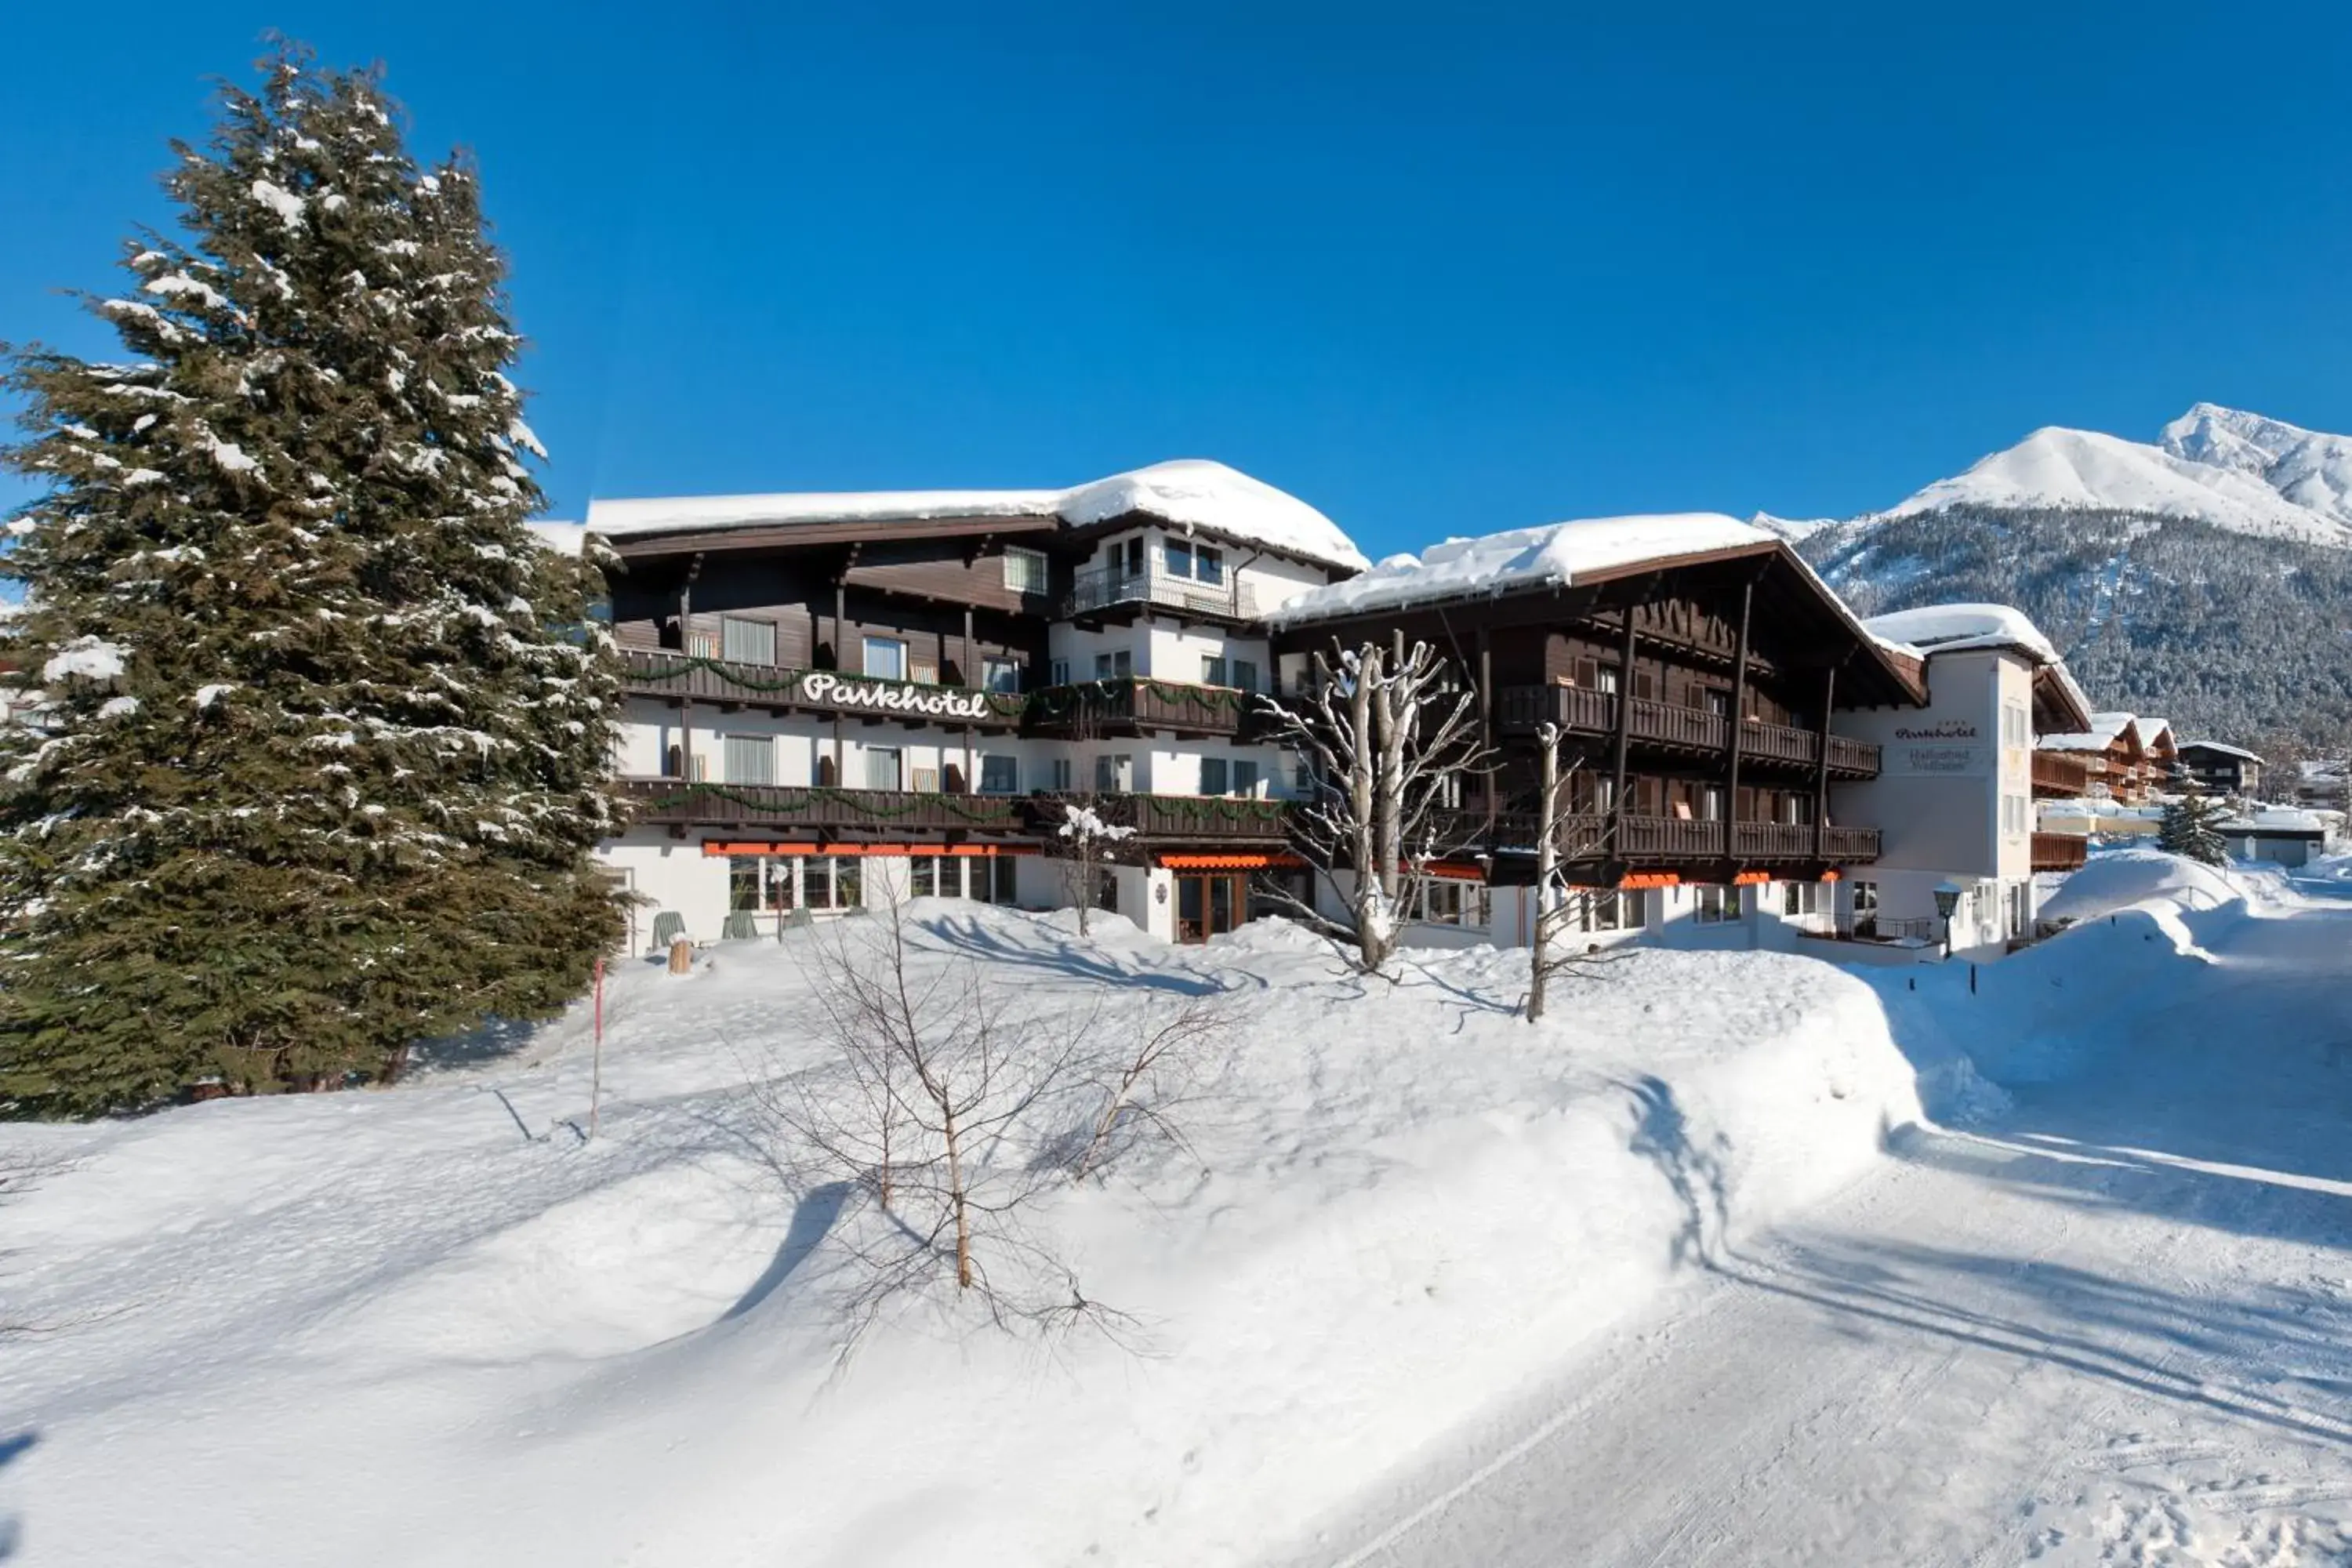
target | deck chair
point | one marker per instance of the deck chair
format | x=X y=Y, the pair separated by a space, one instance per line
x=798 y=920
x=741 y=926
x=668 y=926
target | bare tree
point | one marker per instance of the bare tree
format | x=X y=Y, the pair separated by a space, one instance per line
x=1389 y=734
x=1086 y=839
x=957 y=1109
x=1555 y=820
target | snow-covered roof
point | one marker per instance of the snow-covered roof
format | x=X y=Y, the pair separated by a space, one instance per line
x=1192 y=493
x=2277 y=819
x=2223 y=747
x=563 y=538
x=1553 y=555
x=1952 y=629
x=2150 y=729
x=2104 y=727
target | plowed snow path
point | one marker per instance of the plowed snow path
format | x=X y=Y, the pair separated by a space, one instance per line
x=2114 y=1327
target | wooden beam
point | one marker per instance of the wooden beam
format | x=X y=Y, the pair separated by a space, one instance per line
x=1739 y=719
x=1487 y=720
x=1821 y=765
x=1624 y=738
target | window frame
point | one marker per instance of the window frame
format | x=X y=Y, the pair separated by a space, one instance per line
x=1034 y=569
x=867 y=643
x=763 y=746
x=750 y=627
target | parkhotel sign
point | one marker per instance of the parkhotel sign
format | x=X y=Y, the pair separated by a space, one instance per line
x=824 y=688
x=1948 y=748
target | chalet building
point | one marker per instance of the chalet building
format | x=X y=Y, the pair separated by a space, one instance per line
x=1694 y=666
x=832 y=700
x=2221 y=768
x=1960 y=774
x=2109 y=751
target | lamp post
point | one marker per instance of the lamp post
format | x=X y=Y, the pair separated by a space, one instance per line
x=1947 y=902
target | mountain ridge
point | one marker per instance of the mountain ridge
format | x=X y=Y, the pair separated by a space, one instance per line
x=2207 y=574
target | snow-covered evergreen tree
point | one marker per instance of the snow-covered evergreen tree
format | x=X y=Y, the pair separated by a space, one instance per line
x=2191 y=824
x=328 y=730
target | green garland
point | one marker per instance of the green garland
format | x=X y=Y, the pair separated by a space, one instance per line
x=1000 y=809
x=1057 y=701
x=1003 y=704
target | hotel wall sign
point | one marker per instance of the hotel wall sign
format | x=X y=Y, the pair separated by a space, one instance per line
x=823 y=686
x=1947 y=747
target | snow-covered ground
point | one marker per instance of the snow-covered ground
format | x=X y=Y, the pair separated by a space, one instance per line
x=1684 y=1275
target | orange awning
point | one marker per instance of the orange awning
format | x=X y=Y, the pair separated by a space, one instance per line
x=1227 y=862
x=770 y=847
x=1751 y=878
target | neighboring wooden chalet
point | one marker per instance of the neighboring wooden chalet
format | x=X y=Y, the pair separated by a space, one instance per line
x=2220 y=768
x=1692 y=666
x=2109 y=752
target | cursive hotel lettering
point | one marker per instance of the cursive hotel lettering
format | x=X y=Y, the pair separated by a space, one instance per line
x=890 y=697
x=1942 y=730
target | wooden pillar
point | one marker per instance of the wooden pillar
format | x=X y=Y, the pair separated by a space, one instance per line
x=686 y=696
x=1739 y=723
x=841 y=664
x=1624 y=739
x=971 y=659
x=1486 y=721
x=1822 y=767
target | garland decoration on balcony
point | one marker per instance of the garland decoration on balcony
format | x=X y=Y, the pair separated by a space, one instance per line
x=996 y=809
x=1058 y=701
x=1001 y=704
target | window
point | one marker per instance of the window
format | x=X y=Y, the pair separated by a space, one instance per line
x=743 y=881
x=926 y=780
x=1208 y=563
x=1134 y=556
x=1245 y=674
x=1605 y=679
x=886 y=658
x=751 y=760
x=1718 y=702
x=1245 y=777
x=1114 y=774
x=1024 y=571
x=1212 y=671
x=1000 y=775
x=1865 y=900
x=1800 y=898
x=882 y=767
x=1000 y=675
x=1057 y=672
x=1212 y=776
x=1443 y=900
x=1113 y=665
x=702 y=645
x=923 y=671
x=747 y=641
x=923 y=876
x=2016 y=725
x=1604 y=909
x=1178 y=557
x=1302 y=775
x=1711 y=804
x=1062 y=775
x=1712 y=903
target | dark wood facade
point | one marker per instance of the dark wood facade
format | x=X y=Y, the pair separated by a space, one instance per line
x=1692 y=700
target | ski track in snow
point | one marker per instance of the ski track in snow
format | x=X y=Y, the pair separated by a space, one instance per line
x=2115 y=1327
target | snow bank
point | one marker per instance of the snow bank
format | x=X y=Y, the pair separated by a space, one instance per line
x=2125 y=879
x=1191 y=493
x=1553 y=555
x=1403 y=1203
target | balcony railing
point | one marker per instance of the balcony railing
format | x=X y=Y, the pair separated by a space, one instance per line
x=1105 y=588
x=660 y=673
x=1520 y=709
x=2060 y=774
x=677 y=802
x=2060 y=851
x=1126 y=705
x=1168 y=816
x=1669 y=838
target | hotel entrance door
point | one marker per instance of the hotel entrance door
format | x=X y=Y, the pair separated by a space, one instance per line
x=1209 y=905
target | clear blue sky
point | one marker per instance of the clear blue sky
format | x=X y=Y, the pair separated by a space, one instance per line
x=1467 y=273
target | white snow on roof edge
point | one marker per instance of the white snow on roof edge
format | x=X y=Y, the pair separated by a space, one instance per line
x=1190 y=492
x=1550 y=555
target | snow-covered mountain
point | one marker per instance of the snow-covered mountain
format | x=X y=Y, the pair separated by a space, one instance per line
x=2207 y=574
x=2238 y=471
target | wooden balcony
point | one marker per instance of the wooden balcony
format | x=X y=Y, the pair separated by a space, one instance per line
x=1667 y=726
x=723 y=683
x=1653 y=839
x=676 y=804
x=1134 y=704
x=2060 y=775
x=2060 y=851
x=1170 y=817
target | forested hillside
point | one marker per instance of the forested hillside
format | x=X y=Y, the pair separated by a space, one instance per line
x=2230 y=634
